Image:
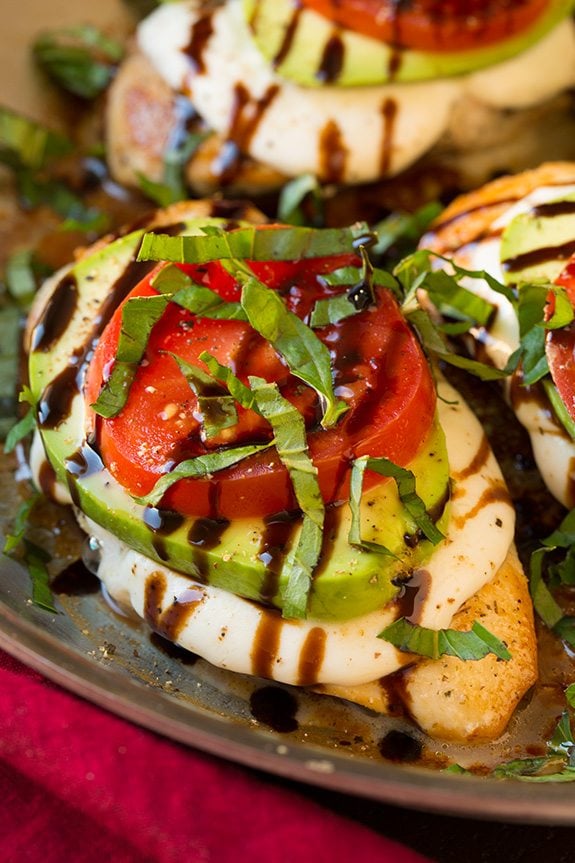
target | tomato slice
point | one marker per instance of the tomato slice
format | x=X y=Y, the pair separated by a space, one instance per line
x=428 y=25
x=379 y=370
x=560 y=344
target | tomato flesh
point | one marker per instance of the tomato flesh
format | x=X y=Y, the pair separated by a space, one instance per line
x=429 y=25
x=560 y=345
x=379 y=370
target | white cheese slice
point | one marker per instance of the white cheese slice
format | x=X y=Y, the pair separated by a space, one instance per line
x=223 y=628
x=371 y=142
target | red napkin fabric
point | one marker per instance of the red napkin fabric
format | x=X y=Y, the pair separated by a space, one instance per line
x=80 y=784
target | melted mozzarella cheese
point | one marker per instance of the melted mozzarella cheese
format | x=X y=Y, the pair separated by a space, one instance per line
x=287 y=135
x=553 y=450
x=223 y=628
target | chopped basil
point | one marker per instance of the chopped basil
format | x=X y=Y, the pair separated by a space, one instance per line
x=172 y=187
x=291 y=443
x=558 y=405
x=10 y=334
x=434 y=343
x=331 y=311
x=36 y=559
x=80 y=59
x=139 y=315
x=418 y=270
x=307 y=357
x=543 y=602
x=16 y=535
x=196 y=298
x=300 y=194
x=200 y=466
x=207 y=304
x=217 y=408
x=241 y=393
x=20 y=430
x=545 y=768
x=434 y=643
x=405 y=481
x=27 y=144
x=359 y=296
x=31 y=555
x=557 y=570
x=252 y=243
x=404 y=228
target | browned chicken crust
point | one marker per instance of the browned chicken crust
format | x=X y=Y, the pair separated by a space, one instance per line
x=467 y=701
x=470 y=216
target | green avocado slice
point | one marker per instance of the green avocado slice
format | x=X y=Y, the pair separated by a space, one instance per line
x=307 y=48
x=537 y=244
x=349 y=581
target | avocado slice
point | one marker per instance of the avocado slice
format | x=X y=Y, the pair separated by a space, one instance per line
x=349 y=581
x=537 y=244
x=307 y=48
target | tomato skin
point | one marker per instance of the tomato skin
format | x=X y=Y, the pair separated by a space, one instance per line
x=379 y=370
x=428 y=25
x=560 y=344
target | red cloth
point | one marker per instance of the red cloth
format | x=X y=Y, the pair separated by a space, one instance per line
x=80 y=784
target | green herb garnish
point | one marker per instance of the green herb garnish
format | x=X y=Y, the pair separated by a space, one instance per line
x=82 y=60
x=139 y=315
x=291 y=444
x=434 y=643
x=199 y=467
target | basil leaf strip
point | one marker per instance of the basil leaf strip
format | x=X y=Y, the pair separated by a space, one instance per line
x=36 y=559
x=434 y=343
x=307 y=357
x=543 y=602
x=470 y=645
x=300 y=194
x=198 y=467
x=16 y=535
x=198 y=299
x=291 y=443
x=252 y=243
x=139 y=315
x=80 y=59
x=405 y=481
x=20 y=430
x=241 y=393
x=217 y=408
x=24 y=143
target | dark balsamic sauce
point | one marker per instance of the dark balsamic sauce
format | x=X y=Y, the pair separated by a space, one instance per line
x=55 y=403
x=332 y=153
x=274 y=546
x=162 y=523
x=75 y=580
x=174 y=651
x=539 y=256
x=170 y=622
x=246 y=116
x=331 y=63
x=201 y=34
x=84 y=462
x=266 y=642
x=288 y=38
x=276 y=708
x=207 y=532
x=400 y=747
x=56 y=315
x=412 y=595
x=311 y=656
x=389 y=111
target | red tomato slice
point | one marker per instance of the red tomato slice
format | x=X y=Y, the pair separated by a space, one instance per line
x=379 y=370
x=429 y=25
x=560 y=344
